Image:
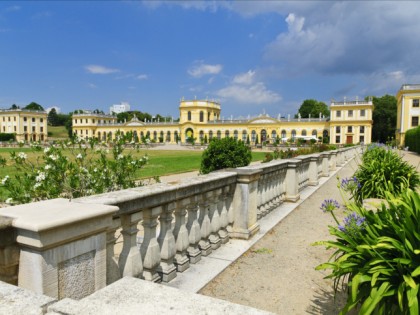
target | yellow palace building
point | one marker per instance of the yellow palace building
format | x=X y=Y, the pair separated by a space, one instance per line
x=408 y=110
x=350 y=122
x=28 y=125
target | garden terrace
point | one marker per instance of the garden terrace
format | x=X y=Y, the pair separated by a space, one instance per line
x=72 y=248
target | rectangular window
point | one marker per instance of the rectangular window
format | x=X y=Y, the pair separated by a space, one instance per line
x=25 y=119
x=362 y=129
x=75 y=121
x=87 y=131
x=33 y=129
x=93 y=120
x=337 y=129
x=362 y=113
x=8 y=118
x=337 y=139
x=350 y=129
x=416 y=102
x=86 y=121
x=350 y=113
x=33 y=119
x=41 y=119
x=14 y=128
x=362 y=139
x=338 y=113
x=25 y=128
x=414 y=121
x=14 y=118
x=3 y=118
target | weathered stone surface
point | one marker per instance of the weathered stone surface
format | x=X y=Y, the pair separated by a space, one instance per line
x=18 y=301
x=135 y=296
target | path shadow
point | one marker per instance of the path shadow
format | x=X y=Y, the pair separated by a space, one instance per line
x=327 y=302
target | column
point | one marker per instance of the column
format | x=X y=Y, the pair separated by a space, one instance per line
x=150 y=249
x=166 y=240
x=292 y=181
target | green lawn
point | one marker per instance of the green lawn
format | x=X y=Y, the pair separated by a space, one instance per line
x=57 y=133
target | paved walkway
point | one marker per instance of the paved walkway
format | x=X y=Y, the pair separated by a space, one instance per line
x=275 y=270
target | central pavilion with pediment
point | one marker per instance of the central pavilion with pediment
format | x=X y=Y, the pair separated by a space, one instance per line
x=349 y=122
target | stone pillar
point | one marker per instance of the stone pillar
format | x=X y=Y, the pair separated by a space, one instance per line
x=62 y=246
x=333 y=158
x=181 y=260
x=223 y=213
x=313 y=171
x=166 y=240
x=292 y=181
x=214 y=217
x=9 y=252
x=245 y=223
x=112 y=268
x=150 y=249
x=205 y=226
x=325 y=164
x=194 y=233
x=129 y=262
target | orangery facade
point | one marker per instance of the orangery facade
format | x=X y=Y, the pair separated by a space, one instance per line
x=349 y=122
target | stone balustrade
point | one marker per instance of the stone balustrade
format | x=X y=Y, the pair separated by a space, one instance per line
x=63 y=248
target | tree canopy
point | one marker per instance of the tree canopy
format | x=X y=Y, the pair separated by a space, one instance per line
x=384 y=118
x=34 y=106
x=313 y=107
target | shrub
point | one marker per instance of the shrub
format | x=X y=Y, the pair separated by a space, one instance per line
x=224 y=153
x=268 y=157
x=87 y=171
x=7 y=136
x=412 y=139
x=383 y=170
x=377 y=252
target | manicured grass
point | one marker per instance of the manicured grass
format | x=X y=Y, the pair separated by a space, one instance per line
x=57 y=132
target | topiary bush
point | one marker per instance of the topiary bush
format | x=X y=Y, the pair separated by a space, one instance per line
x=412 y=139
x=224 y=153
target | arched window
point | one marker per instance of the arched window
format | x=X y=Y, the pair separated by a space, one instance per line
x=263 y=135
x=99 y=135
x=210 y=135
x=208 y=116
x=168 y=136
x=293 y=134
x=325 y=133
x=201 y=135
x=148 y=134
x=201 y=116
x=304 y=132
x=110 y=135
x=273 y=135
x=244 y=135
x=235 y=134
x=142 y=134
x=219 y=134
x=315 y=133
x=227 y=134
x=283 y=134
x=176 y=136
x=253 y=135
x=189 y=116
x=155 y=135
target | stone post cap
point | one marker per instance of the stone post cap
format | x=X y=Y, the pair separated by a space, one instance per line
x=42 y=224
x=247 y=175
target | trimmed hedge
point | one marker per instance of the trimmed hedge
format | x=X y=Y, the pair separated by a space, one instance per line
x=7 y=136
x=412 y=139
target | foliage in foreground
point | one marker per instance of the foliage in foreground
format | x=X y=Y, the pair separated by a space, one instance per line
x=412 y=139
x=383 y=170
x=88 y=171
x=224 y=153
x=378 y=254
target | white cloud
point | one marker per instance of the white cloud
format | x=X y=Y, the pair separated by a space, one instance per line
x=142 y=77
x=92 y=86
x=244 y=78
x=200 y=69
x=13 y=8
x=96 y=69
x=254 y=94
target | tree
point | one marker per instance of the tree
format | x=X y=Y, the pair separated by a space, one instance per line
x=53 y=117
x=34 y=106
x=14 y=106
x=384 y=118
x=313 y=107
x=224 y=153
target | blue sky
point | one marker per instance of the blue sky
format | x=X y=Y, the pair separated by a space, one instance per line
x=252 y=56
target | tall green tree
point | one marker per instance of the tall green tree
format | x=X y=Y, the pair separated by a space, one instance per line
x=34 y=106
x=384 y=118
x=313 y=107
x=52 y=117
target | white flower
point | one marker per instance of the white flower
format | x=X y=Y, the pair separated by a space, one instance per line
x=4 y=180
x=9 y=201
x=53 y=157
x=40 y=177
x=46 y=150
x=47 y=167
x=95 y=170
x=37 y=185
x=22 y=155
x=120 y=156
x=79 y=156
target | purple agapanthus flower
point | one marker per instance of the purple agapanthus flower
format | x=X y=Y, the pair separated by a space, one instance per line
x=330 y=205
x=350 y=184
x=353 y=224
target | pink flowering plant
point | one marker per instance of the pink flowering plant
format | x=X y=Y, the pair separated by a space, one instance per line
x=72 y=169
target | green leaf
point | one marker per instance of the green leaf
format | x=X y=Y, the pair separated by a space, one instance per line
x=410 y=281
x=416 y=272
x=374 y=298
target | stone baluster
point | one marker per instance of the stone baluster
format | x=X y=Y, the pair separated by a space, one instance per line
x=292 y=185
x=112 y=268
x=245 y=223
x=223 y=213
x=194 y=233
x=181 y=236
x=325 y=164
x=278 y=186
x=270 y=195
x=313 y=171
x=229 y=207
x=260 y=198
x=205 y=226
x=129 y=262
x=333 y=160
x=150 y=249
x=166 y=240
x=214 y=217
